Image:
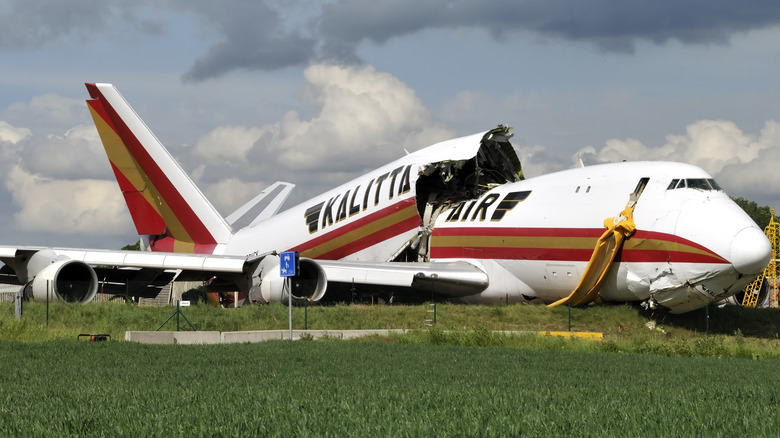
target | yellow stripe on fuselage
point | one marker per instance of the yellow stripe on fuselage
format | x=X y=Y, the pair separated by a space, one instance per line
x=365 y=230
x=514 y=242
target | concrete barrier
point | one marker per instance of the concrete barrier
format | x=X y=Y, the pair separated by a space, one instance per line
x=212 y=337
x=159 y=338
x=192 y=338
x=171 y=338
x=253 y=336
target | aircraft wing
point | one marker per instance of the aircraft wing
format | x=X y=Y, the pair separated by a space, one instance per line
x=75 y=274
x=135 y=259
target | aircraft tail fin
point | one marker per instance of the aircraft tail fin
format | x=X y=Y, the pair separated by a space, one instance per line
x=166 y=206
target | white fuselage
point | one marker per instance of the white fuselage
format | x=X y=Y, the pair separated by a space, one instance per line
x=692 y=246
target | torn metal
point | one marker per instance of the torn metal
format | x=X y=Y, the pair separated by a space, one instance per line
x=443 y=184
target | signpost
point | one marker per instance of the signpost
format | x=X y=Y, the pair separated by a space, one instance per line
x=289 y=267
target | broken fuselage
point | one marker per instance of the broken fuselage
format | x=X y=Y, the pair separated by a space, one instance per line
x=464 y=200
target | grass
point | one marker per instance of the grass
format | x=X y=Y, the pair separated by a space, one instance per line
x=462 y=377
x=332 y=389
x=728 y=332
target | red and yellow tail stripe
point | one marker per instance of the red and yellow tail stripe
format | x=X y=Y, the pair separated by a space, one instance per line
x=156 y=206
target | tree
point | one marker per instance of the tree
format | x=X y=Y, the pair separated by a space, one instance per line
x=134 y=247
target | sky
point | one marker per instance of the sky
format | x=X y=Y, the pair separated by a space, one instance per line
x=244 y=93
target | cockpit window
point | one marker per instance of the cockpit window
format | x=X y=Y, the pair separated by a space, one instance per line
x=714 y=184
x=694 y=183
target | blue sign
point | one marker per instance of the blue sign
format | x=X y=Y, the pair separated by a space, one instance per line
x=288 y=264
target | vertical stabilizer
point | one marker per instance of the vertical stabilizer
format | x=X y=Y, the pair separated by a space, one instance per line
x=163 y=201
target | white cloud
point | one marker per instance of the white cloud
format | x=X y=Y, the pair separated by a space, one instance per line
x=744 y=164
x=227 y=142
x=709 y=144
x=363 y=116
x=49 y=110
x=362 y=119
x=12 y=134
x=229 y=194
x=758 y=175
x=84 y=206
x=76 y=154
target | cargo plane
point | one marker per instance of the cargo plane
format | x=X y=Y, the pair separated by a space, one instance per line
x=454 y=220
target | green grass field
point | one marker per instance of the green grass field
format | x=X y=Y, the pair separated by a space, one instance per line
x=335 y=389
x=690 y=376
x=728 y=332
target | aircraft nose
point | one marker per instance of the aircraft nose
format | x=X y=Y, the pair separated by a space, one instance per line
x=750 y=251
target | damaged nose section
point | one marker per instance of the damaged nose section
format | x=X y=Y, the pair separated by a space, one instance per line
x=750 y=251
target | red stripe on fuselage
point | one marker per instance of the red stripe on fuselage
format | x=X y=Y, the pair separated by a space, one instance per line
x=366 y=240
x=669 y=247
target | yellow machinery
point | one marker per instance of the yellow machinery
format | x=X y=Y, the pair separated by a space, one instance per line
x=769 y=275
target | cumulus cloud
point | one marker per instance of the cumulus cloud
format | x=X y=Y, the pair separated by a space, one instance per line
x=229 y=194
x=60 y=183
x=741 y=162
x=363 y=119
x=227 y=142
x=11 y=134
x=758 y=175
x=709 y=144
x=76 y=154
x=359 y=111
x=49 y=111
x=84 y=206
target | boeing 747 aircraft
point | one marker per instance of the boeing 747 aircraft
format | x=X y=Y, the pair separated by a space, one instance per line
x=456 y=220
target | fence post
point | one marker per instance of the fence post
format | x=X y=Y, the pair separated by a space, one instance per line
x=47 y=302
x=18 y=304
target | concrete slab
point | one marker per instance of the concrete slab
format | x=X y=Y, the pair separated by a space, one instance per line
x=158 y=338
x=213 y=337
x=253 y=336
x=192 y=338
x=350 y=334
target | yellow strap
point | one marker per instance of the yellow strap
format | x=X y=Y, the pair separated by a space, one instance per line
x=618 y=229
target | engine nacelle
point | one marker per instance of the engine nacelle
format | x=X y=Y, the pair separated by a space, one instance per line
x=269 y=286
x=65 y=280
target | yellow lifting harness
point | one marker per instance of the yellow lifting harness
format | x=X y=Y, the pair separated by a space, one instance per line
x=753 y=290
x=618 y=228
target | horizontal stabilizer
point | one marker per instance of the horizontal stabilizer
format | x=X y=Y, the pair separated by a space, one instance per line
x=263 y=206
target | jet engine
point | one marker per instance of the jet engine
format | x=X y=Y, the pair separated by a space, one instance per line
x=59 y=279
x=270 y=287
